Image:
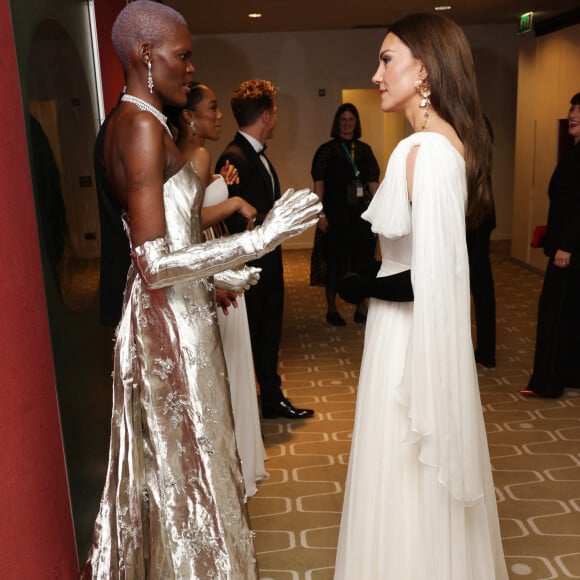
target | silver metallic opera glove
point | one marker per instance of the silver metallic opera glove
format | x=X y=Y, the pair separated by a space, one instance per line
x=237 y=280
x=292 y=214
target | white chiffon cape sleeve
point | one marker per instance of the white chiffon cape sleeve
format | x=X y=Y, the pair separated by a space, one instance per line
x=439 y=387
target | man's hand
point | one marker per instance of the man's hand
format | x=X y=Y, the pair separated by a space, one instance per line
x=230 y=173
x=225 y=299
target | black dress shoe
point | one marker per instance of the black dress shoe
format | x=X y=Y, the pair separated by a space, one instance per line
x=360 y=317
x=286 y=409
x=335 y=319
x=485 y=361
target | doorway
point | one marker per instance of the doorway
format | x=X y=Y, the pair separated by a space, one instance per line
x=382 y=131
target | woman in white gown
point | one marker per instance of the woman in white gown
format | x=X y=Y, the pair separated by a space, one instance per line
x=200 y=120
x=419 y=501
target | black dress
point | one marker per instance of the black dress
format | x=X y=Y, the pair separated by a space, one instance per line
x=557 y=356
x=349 y=244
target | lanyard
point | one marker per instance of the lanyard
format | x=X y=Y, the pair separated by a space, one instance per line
x=351 y=157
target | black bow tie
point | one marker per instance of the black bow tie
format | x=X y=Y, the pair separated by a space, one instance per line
x=264 y=147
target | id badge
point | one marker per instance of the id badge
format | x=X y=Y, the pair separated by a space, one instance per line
x=359 y=190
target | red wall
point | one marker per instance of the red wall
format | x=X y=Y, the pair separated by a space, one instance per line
x=112 y=73
x=36 y=532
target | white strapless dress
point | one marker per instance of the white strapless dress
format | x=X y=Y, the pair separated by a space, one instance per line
x=235 y=335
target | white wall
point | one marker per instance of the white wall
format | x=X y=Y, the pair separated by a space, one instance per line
x=549 y=75
x=301 y=63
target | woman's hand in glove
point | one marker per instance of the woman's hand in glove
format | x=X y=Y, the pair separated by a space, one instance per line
x=292 y=214
x=354 y=288
x=237 y=280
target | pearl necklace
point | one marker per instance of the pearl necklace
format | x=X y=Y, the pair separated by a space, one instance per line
x=145 y=106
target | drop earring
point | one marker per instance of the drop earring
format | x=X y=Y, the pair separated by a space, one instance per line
x=149 y=77
x=424 y=91
x=192 y=127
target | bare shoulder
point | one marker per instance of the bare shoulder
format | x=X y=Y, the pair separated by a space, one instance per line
x=138 y=153
x=201 y=160
x=201 y=156
x=137 y=137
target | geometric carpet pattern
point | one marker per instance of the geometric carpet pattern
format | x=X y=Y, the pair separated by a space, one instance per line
x=534 y=444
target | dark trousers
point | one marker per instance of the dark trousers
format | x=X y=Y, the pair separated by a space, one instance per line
x=265 y=304
x=482 y=291
x=557 y=356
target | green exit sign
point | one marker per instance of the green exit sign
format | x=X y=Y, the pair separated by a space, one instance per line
x=525 y=23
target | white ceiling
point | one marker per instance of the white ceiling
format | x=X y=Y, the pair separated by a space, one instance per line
x=231 y=16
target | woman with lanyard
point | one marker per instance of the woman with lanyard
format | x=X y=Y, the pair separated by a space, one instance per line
x=345 y=174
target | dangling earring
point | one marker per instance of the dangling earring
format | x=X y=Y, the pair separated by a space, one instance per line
x=424 y=90
x=149 y=77
x=192 y=127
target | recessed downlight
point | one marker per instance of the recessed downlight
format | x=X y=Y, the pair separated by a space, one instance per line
x=254 y=15
x=442 y=8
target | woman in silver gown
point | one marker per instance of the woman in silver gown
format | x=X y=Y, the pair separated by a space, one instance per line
x=173 y=504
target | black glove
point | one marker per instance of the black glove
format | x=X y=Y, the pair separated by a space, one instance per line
x=354 y=288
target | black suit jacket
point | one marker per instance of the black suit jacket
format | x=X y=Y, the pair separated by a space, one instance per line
x=115 y=248
x=255 y=187
x=255 y=182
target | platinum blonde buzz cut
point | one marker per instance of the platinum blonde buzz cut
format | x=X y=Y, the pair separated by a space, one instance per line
x=143 y=21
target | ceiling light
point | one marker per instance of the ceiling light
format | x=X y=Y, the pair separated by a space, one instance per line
x=441 y=8
x=254 y=15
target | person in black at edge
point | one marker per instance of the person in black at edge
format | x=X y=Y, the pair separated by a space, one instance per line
x=557 y=356
x=481 y=283
x=115 y=251
x=48 y=198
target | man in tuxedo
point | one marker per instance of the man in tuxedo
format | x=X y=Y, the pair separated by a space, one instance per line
x=255 y=111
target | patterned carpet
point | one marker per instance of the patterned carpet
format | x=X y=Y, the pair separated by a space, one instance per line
x=534 y=444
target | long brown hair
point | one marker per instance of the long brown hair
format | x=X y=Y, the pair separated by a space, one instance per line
x=442 y=47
